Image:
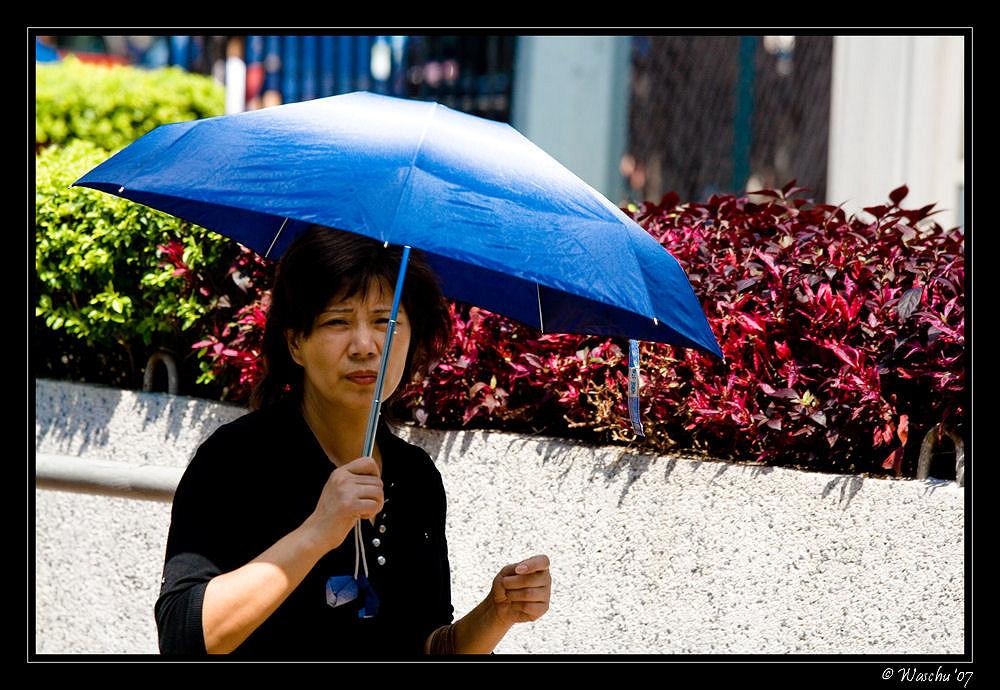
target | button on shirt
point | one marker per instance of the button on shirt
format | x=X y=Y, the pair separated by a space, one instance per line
x=258 y=478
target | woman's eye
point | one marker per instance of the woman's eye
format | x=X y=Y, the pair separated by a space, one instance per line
x=333 y=322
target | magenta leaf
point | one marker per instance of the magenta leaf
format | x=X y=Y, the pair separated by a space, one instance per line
x=908 y=303
x=749 y=323
x=846 y=353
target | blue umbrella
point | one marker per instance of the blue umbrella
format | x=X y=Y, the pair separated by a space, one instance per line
x=502 y=223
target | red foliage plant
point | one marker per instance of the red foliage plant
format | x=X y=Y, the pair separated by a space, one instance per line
x=843 y=338
x=842 y=335
x=232 y=351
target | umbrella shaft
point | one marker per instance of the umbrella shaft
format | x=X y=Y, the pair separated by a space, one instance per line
x=373 y=415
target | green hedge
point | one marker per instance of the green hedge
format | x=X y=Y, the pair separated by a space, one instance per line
x=105 y=296
x=112 y=107
x=99 y=274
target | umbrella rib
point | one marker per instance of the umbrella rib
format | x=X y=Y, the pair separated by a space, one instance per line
x=538 y=291
x=635 y=257
x=409 y=172
x=267 y=253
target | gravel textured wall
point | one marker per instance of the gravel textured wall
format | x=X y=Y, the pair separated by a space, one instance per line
x=649 y=554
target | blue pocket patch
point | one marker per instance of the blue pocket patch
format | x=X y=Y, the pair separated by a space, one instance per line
x=340 y=590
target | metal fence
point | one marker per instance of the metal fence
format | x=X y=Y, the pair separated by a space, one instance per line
x=471 y=73
x=727 y=114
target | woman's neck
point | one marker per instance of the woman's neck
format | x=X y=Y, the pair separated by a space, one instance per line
x=340 y=433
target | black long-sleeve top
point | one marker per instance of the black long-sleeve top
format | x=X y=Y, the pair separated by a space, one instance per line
x=258 y=478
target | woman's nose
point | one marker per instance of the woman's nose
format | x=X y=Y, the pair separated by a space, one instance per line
x=366 y=340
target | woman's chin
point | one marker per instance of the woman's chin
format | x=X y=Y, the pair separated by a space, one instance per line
x=361 y=400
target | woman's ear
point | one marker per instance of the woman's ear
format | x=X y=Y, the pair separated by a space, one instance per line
x=292 y=338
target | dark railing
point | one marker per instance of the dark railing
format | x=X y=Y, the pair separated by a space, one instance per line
x=473 y=74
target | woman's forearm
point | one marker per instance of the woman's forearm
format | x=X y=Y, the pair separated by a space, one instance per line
x=478 y=632
x=238 y=602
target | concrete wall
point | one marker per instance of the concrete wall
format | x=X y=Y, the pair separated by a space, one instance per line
x=649 y=554
x=897 y=118
x=571 y=99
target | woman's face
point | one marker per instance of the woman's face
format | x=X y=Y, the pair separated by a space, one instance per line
x=348 y=337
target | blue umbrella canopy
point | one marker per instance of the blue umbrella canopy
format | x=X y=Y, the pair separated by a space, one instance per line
x=503 y=224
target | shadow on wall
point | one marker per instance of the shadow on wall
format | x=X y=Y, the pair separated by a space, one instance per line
x=101 y=421
x=607 y=463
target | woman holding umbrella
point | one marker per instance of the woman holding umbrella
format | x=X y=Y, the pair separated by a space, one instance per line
x=258 y=560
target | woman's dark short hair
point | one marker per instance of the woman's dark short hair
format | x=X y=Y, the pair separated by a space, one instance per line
x=325 y=262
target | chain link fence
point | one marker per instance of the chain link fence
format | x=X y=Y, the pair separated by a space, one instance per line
x=715 y=114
